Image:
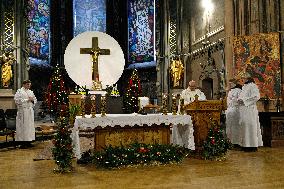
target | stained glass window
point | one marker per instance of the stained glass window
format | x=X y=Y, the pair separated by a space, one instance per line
x=38 y=31
x=141 y=37
x=89 y=15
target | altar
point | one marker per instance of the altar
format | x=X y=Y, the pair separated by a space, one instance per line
x=123 y=129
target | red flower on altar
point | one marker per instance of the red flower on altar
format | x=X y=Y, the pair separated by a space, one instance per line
x=143 y=150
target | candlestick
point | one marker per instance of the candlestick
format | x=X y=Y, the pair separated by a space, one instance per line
x=165 y=104
x=93 y=110
x=174 y=105
x=181 y=112
x=103 y=106
x=83 y=105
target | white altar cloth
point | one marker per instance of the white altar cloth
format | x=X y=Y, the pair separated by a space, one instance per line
x=182 y=126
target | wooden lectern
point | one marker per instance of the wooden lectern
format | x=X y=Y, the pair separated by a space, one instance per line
x=203 y=114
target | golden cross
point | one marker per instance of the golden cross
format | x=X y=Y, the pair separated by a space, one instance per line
x=95 y=51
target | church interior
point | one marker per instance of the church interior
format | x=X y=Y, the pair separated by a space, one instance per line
x=109 y=74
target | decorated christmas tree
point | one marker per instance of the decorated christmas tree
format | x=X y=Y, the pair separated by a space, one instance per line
x=133 y=91
x=216 y=144
x=62 y=150
x=56 y=95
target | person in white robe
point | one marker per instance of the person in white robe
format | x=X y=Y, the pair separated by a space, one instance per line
x=25 y=101
x=249 y=121
x=233 y=113
x=189 y=93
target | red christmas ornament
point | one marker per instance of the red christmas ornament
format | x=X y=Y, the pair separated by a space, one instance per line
x=213 y=141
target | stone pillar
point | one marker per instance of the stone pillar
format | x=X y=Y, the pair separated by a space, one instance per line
x=229 y=34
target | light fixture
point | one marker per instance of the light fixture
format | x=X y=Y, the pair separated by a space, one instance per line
x=207 y=5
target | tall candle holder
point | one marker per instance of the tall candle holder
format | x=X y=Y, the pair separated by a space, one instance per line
x=174 y=105
x=181 y=112
x=93 y=110
x=83 y=105
x=165 y=104
x=103 y=106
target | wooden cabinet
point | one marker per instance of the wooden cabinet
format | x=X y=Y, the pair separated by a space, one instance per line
x=272 y=125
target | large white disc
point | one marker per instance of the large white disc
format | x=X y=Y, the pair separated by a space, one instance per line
x=79 y=66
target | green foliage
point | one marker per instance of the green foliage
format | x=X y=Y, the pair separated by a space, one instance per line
x=216 y=145
x=136 y=154
x=63 y=150
x=74 y=109
x=130 y=99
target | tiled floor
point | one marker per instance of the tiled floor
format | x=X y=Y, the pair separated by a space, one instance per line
x=262 y=169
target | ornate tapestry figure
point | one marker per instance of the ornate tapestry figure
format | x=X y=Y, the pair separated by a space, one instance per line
x=7 y=59
x=259 y=56
x=177 y=70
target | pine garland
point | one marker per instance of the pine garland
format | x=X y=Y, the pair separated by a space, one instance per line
x=135 y=154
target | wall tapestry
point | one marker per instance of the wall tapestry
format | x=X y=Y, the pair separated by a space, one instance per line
x=38 y=31
x=89 y=16
x=258 y=56
x=141 y=31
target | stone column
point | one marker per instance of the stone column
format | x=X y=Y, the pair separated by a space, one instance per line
x=229 y=34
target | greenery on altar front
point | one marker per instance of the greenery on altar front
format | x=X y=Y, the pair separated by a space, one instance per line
x=135 y=154
x=216 y=144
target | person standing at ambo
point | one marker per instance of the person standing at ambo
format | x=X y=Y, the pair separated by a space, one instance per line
x=25 y=101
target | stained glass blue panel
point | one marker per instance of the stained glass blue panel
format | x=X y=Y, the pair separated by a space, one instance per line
x=38 y=31
x=89 y=15
x=141 y=37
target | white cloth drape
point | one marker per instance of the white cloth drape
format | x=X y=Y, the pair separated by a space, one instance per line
x=182 y=126
x=233 y=116
x=249 y=120
x=25 y=130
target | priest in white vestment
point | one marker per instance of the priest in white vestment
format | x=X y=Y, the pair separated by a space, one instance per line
x=25 y=101
x=233 y=113
x=249 y=120
x=189 y=94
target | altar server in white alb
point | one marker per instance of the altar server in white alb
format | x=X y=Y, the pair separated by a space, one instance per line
x=25 y=101
x=189 y=94
x=233 y=113
x=249 y=120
